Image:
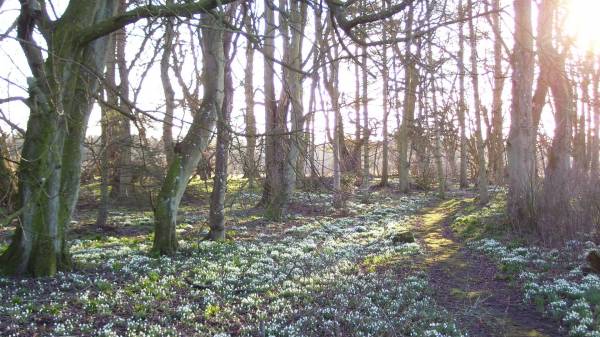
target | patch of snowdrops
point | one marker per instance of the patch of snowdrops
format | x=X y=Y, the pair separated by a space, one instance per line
x=554 y=282
x=308 y=282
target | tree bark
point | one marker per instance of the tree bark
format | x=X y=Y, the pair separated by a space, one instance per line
x=463 y=180
x=331 y=81
x=124 y=187
x=496 y=146
x=250 y=169
x=186 y=158
x=437 y=146
x=552 y=64
x=386 y=114
x=482 y=172
x=275 y=191
x=217 y=197
x=61 y=90
x=366 y=175
x=411 y=82
x=521 y=138
x=595 y=146
x=8 y=185
x=49 y=170
x=167 y=127
x=293 y=81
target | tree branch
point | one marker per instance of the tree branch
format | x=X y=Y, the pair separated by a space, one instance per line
x=149 y=11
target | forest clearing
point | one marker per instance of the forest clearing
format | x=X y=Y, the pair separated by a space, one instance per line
x=418 y=168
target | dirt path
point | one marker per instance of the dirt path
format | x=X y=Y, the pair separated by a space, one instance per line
x=467 y=284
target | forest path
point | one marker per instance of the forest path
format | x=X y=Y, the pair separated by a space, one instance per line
x=467 y=283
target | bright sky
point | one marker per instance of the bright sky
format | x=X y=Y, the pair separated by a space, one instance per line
x=582 y=24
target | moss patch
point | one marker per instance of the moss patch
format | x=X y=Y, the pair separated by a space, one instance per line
x=474 y=222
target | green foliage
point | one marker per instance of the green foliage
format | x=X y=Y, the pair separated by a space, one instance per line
x=475 y=222
x=211 y=311
x=553 y=281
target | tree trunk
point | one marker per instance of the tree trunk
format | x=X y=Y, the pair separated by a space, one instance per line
x=167 y=127
x=217 y=197
x=385 y=74
x=411 y=81
x=352 y=159
x=366 y=176
x=482 y=177
x=124 y=188
x=104 y=174
x=312 y=103
x=250 y=169
x=8 y=184
x=463 y=180
x=595 y=146
x=49 y=170
x=552 y=64
x=386 y=114
x=104 y=169
x=331 y=81
x=521 y=138
x=109 y=132
x=293 y=81
x=188 y=152
x=496 y=146
x=275 y=191
x=437 y=146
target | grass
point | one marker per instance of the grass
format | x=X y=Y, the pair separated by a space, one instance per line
x=474 y=222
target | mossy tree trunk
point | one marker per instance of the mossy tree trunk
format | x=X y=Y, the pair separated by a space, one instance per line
x=61 y=89
x=60 y=100
x=188 y=153
x=8 y=184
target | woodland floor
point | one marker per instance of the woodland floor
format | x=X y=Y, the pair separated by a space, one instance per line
x=467 y=284
x=319 y=273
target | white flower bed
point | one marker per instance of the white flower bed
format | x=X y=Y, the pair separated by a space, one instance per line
x=572 y=297
x=310 y=282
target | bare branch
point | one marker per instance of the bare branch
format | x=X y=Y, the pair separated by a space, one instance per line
x=149 y=11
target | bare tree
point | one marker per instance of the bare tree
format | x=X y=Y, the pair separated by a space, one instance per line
x=250 y=169
x=186 y=154
x=496 y=146
x=462 y=105
x=521 y=138
x=366 y=176
x=167 y=134
x=482 y=172
x=217 y=197
x=411 y=81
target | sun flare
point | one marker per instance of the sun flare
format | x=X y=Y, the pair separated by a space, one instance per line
x=582 y=23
